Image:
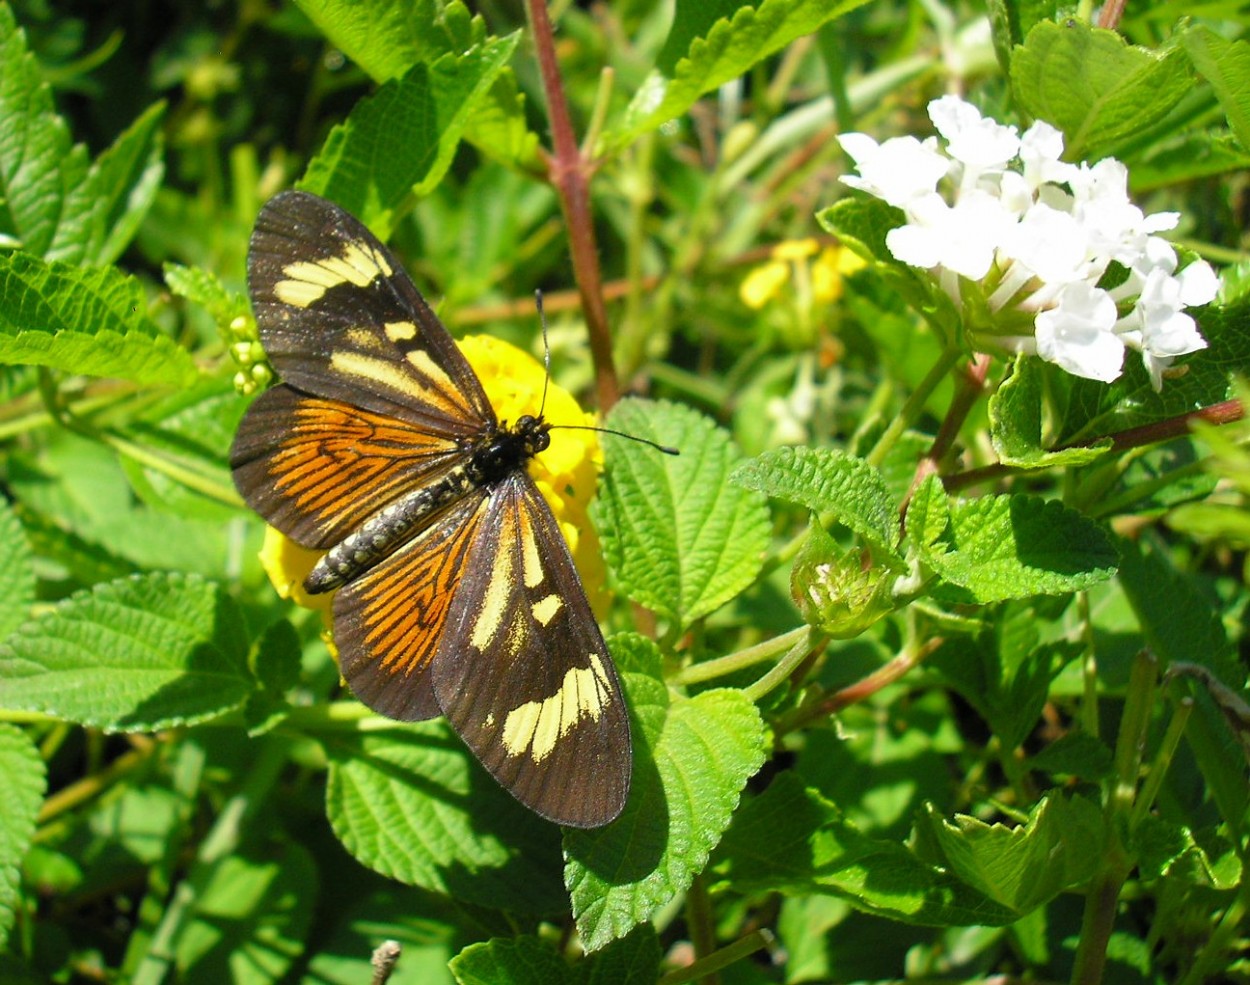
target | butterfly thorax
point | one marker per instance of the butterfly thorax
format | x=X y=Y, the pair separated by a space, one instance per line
x=495 y=454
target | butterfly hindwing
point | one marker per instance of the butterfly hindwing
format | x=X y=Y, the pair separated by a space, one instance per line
x=340 y=318
x=522 y=672
x=389 y=622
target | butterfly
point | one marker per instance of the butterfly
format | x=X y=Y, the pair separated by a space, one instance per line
x=455 y=590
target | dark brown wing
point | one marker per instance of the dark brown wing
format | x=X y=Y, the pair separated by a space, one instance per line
x=388 y=622
x=522 y=672
x=339 y=318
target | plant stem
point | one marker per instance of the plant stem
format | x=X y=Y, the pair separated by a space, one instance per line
x=569 y=173
x=914 y=405
x=222 y=840
x=757 y=940
x=699 y=924
x=731 y=663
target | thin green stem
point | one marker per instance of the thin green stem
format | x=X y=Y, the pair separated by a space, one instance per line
x=223 y=839
x=914 y=405
x=1162 y=761
x=710 y=670
x=757 y=940
x=700 y=924
x=784 y=667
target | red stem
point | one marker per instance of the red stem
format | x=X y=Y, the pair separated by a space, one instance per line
x=569 y=172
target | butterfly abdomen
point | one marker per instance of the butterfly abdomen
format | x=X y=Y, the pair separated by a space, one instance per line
x=383 y=534
x=496 y=454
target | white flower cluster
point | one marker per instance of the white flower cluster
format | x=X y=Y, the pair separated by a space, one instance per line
x=1037 y=238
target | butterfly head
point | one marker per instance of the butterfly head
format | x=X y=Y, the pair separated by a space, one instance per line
x=533 y=432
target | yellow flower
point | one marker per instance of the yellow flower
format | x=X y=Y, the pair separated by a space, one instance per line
x=566 y=473
x=823 y=277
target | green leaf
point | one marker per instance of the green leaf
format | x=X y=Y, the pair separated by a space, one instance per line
x=249 y=924
x=119 y=188
x=1011 y=21
x=1226 y=65
x=413 y=804
x=423 y=924
x=1010 y=547
x=633 y=960
x=1094 y=86
x=141 y=653
x=512 y=961
x=1075 y=754
x=204 y=288
x=1025 y=867
x=22 y=782
x=718 y=49
x=39 y=168
x=791 y=840
x=862 y=222
x=1005 y=674
x=928 y=513
x=191 y=427
x=679 y=538
x=498 y=127
x=81 y=320
x=692 y=758
x=386 y=38
x=1016 y=423
x=828 y=481
x=17 y=575
x=400 y=141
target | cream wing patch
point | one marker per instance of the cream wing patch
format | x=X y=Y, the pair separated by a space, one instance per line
x=308 y=280
x=536 y=727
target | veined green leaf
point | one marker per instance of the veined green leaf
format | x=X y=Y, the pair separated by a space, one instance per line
x=104 y=210
x=140 y=653
x=1025 y=867
x=39 y=166
x=1226 y=65
x=17 y=576
x=828 y=481
x=679 y=538
x=388 y=37
x=717 y=48
x=633 y=960
x=22 y=781
x=1016 y=423
x=1093 y=85
x=84 y=320
x=692 y=758
x=249 y=922
x=400 y=141
x=413 y=804
x=1009 y=547
x=791 y=840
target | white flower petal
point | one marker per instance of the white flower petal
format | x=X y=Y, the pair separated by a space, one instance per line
x=1077 y=334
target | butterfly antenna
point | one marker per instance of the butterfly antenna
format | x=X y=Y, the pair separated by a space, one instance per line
x=666 y=449
x=542 y=320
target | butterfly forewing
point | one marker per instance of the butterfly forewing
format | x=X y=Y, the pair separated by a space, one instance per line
x=523 y=674
x=317 y=468
x=340 y=318
x=458 y=592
